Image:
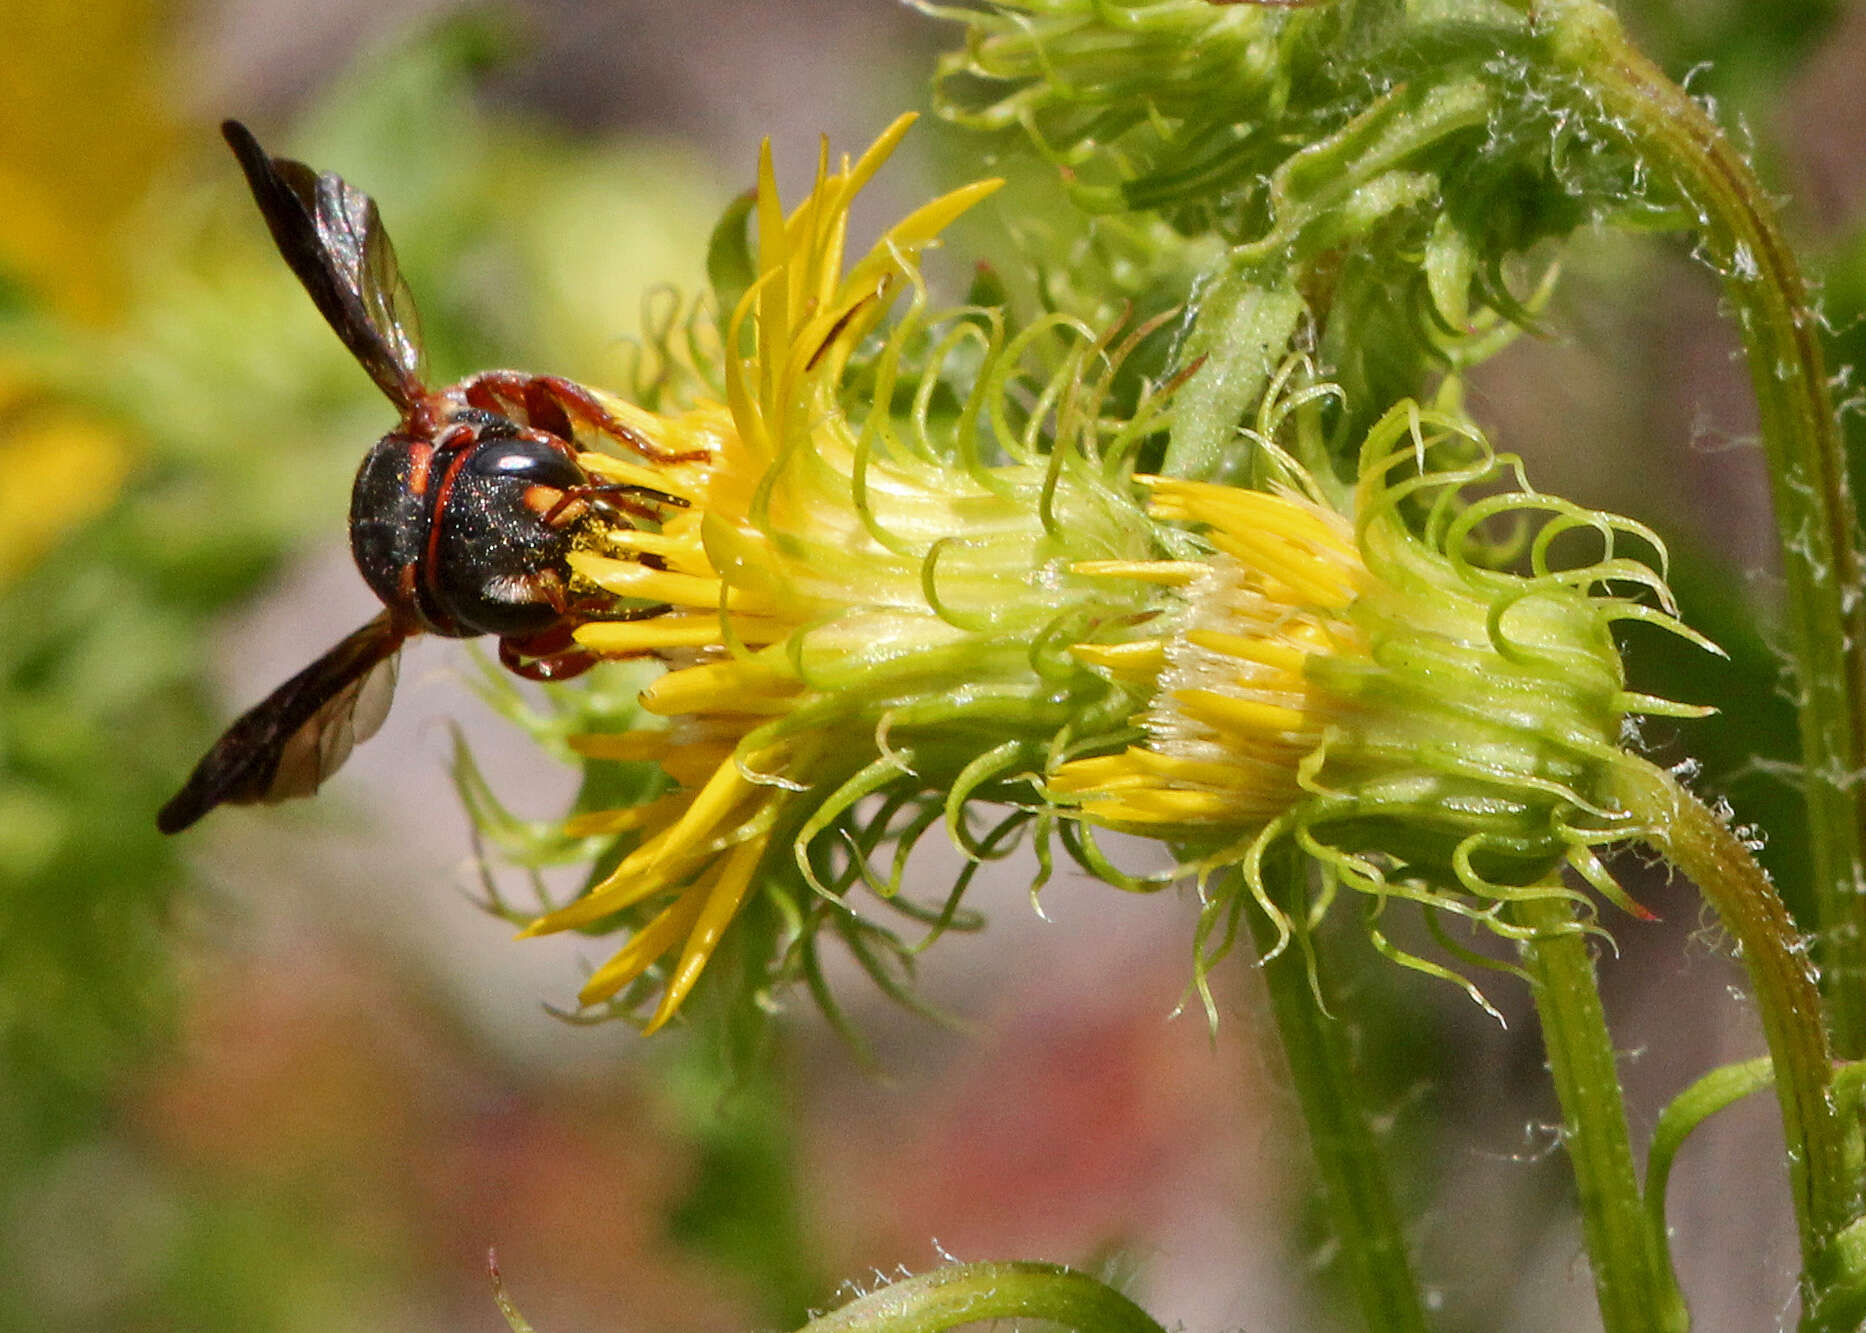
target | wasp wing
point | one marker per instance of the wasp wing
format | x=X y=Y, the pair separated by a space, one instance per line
x=334 y=240
x=300 y=733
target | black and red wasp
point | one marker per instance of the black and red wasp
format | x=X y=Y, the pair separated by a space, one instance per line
x=460 y=519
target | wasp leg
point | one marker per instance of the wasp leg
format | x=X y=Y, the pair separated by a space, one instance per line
x=546 y=413
x=551 y=401
x=534 y=659
x=555 y=654
x=617 y=498
x=482 y=391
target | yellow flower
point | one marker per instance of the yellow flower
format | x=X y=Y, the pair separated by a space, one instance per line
x=1423 y=725
x=852 y=604
x=83 y=128
x=895 y=578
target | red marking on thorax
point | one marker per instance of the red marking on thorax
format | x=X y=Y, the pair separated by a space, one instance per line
x=431 y=558
x=418 y=582
x=420 y=460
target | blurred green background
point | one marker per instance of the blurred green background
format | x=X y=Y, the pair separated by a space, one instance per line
x=281 y=1074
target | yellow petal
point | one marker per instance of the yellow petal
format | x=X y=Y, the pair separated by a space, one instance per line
x=722 y=904
x=647 y=944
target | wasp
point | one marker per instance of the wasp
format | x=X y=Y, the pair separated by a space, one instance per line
x=461 y=517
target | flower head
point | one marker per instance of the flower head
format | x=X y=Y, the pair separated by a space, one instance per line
x=869 y=590
x=1147 y=105
x=1424 y=725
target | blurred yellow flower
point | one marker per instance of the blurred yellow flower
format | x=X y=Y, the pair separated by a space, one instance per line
x=63 y=465
x=83 y=128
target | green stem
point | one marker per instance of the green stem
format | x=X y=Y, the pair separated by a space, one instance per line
x=969 y=1293
x=1347 y=1153
x=1636 y=1288
x=1814 y=515
x=1843 y=1295
x=1782 y=984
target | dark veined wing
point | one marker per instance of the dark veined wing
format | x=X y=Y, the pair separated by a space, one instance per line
x=333 y=238
x=300 y=733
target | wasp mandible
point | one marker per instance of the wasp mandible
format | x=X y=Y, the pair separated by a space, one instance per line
x=461 y=516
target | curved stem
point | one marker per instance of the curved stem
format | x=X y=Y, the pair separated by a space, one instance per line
x=969 y=1293
x=1814 y=513
x=1782 y=982
x=1708 y=1095
x=1843 y=1298
x=1633 y=1282
x=1347 y=1154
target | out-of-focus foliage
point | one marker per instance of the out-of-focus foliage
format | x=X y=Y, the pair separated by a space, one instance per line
x=1742 y=49
x=178 y=421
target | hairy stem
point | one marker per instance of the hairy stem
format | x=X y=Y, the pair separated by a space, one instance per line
x=1634 y=1284
x=1347 y=1153
x=1814 y=514
x=1782 y=984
